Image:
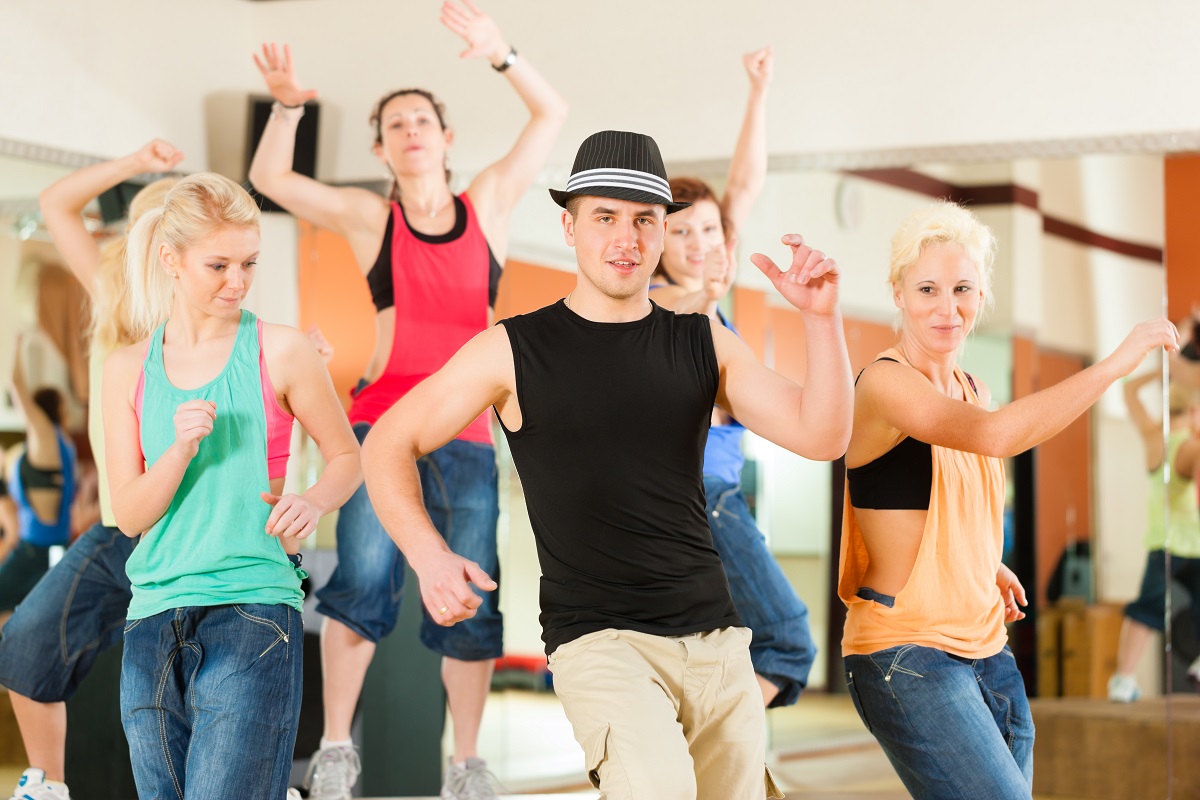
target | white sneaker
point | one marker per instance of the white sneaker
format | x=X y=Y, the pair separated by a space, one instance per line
x=332 y=773
x=1123 y=688
x=33 y=786
x=471 y=781
x=293 y=794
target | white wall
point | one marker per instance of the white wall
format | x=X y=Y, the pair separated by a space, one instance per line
x=862 y=74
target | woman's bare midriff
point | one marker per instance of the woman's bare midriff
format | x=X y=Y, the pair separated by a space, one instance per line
x=893 y=539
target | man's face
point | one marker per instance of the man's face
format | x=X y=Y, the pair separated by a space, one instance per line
x=617 y=243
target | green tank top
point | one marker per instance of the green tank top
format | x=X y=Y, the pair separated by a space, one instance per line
x=1185 y=509
x=210 y=547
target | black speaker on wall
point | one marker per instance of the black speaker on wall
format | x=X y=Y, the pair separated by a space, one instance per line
x=304 y=157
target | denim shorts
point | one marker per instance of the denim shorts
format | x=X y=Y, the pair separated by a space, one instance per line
x=952 y=727
x=458 y=481
x=782 y=648
x=1150 y=606
x=210 y=700
x=74 y=613
x=21 y=571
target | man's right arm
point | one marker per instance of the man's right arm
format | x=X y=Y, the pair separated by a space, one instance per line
x=479 y=375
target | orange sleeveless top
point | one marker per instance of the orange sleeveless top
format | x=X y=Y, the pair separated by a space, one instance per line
x=950 y=602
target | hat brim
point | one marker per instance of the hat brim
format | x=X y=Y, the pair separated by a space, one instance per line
x=618 y=193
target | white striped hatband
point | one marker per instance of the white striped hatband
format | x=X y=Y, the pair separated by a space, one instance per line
x=624 y=178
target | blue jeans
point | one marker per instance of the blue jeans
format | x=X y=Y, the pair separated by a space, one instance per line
x=75 y=612
x=782 y=648
x=952 y=727
x=458 y=481
x=210 y=701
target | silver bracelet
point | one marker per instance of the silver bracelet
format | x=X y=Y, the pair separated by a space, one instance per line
x=278 y=109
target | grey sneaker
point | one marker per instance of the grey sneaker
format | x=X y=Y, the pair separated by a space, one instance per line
x=470 y=782
x=332 y=773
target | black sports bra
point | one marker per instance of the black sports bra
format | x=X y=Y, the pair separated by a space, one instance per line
x=379 y=279
x=901 y=478
x=38 y=478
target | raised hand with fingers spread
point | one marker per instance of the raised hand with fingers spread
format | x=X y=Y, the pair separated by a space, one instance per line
x=478 y=30
x=810 y=283
x=280 y=75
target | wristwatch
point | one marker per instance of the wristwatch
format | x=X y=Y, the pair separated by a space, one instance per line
x=508 y=61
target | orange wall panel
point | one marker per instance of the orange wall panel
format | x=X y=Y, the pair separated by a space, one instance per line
x=1063 y=477
x=528 y=287
x=750 y=317
x=1182 y=190
x=334 y=296
x=866 y=340
x=785 y=332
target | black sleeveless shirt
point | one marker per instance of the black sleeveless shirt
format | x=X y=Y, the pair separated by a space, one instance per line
x=610 y=454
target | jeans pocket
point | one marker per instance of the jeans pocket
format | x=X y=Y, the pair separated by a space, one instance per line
x=133 y=624
x=854 y=698
x=280 y=635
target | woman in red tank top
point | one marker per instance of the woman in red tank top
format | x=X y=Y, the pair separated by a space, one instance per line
x=431 y=260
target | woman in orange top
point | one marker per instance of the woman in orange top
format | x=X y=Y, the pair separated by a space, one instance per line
x=927 y=596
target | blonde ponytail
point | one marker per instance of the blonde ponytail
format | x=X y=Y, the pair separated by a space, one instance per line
x=110 y=308
x=149 y=291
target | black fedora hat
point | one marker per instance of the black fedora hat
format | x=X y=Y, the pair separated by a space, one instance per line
x=621 y=165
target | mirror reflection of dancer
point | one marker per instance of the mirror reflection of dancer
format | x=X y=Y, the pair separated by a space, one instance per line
x=1147 y=613
x=198 y=419
x=433 y=263
x=927 y=595
x=697 y=266
x=605 y=400
x=42 y=484
x=77 y=611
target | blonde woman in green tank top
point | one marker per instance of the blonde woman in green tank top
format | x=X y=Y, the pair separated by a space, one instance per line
x=210 y=680
x=1145 y=615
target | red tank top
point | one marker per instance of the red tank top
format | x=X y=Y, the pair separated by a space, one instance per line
x=441 y=301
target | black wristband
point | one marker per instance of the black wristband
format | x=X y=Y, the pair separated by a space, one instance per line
x=508 y=61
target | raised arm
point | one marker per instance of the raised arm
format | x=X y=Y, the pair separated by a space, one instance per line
x=39 y=428
x=63 y=201
x=908 y=402
x=299 y=373
x=498 y=188
x=1148 y=428
x=351 y=212
x=480 y=375
x=748 y=167
x=813 y=420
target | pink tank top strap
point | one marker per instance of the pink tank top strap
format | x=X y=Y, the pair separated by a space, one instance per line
x=279 y=422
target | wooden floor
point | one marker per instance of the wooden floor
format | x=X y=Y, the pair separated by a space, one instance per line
x=818 y=751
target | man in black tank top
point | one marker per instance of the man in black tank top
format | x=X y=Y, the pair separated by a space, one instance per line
x=605 y=399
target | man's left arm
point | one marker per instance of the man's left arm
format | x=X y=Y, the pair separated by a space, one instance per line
x=813 y=420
